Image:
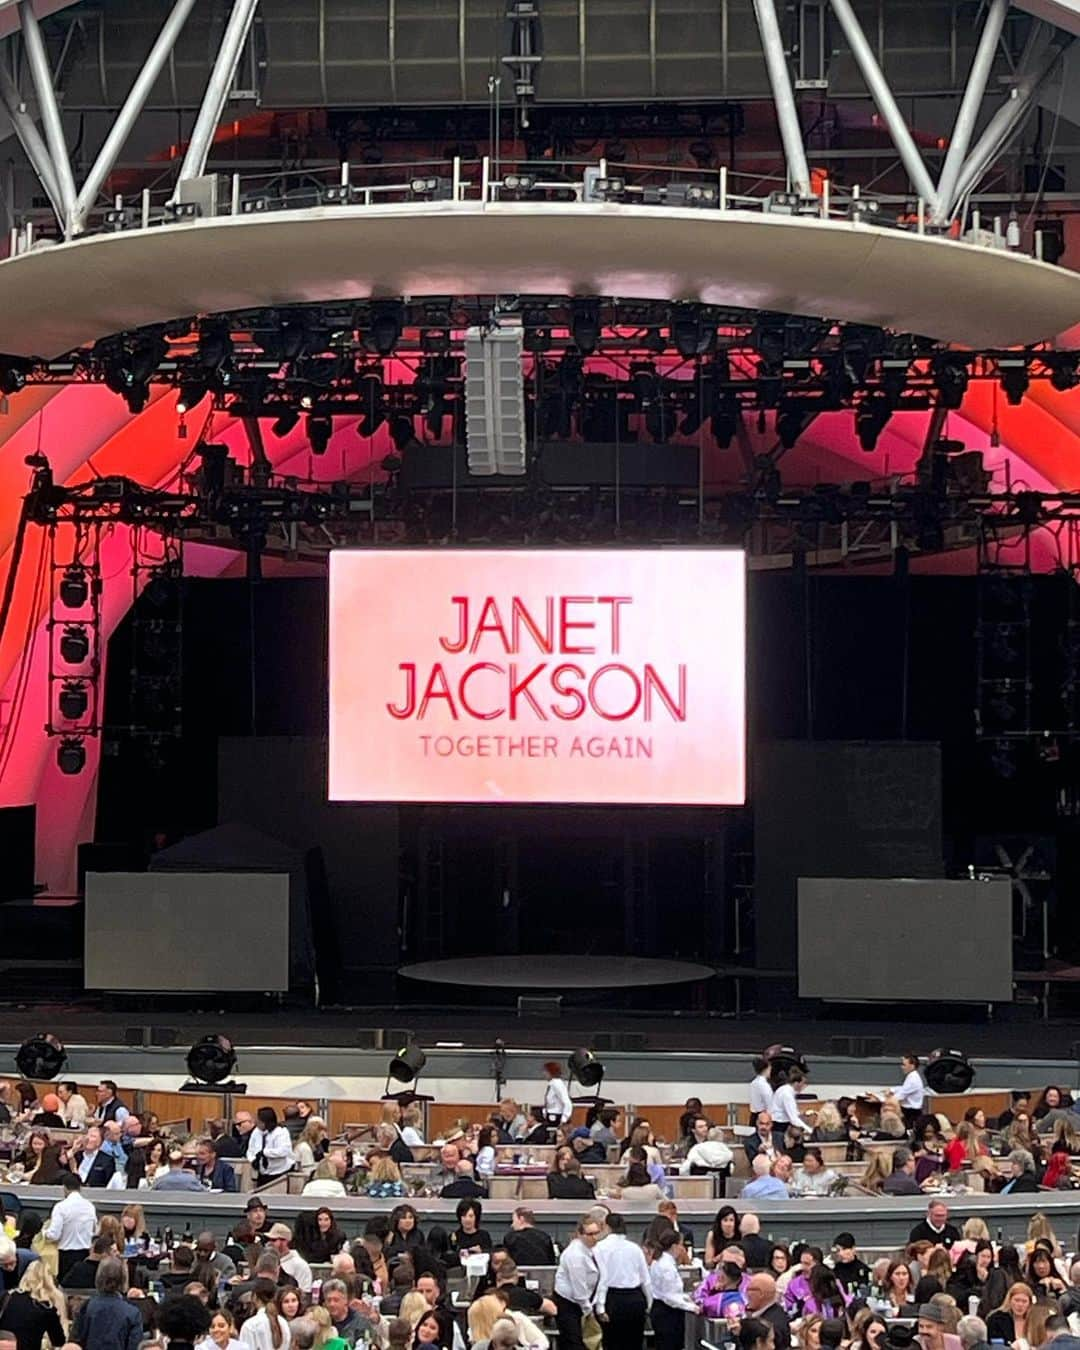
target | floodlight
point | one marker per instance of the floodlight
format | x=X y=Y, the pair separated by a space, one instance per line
x=210 y=1061
x=41 y=1057
x=75 y=644
x=948 y=1071
x=74 y=589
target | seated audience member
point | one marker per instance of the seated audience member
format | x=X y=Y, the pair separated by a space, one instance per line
x=603 y=1129
x=813 y=1177
x=933 y=1332
x=851 y=1271
x=469 y=1238
x=707 y=1155
x=1008 y=1322
x=464 y=1185
x=93 y=1164
x=565 y=1181
x=527 y=1244
x=761 y=1141
x=226 y=1145
x=586 y=1148
x=318 y=1237
x=211 y=1171
x=755 y=1248
x=1053 y=1099
x=1021 y=1173
x=176 y=1177
x=972 y=1332
x=636 y=1187
x=83 y=1274
x=721 y=1294
x=328 y=1178
x=74 y=1108
x=764 y=1186
x=829 y=1128
x=936 y=1228
x=901 y=1180
x=14 y=1262
x=49 y=1117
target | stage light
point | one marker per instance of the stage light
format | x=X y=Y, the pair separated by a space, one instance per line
x=401 y=432
x=725 y=420
x=1014 y=379
x=319 y=430
x=585 y=1068
x=136 y=398
x=385 y=330
x=12 y=379
x=948 y=1071
x=75 y=644
x=789 y=425
x=210 y=1061
x=871 y=419
x=192 y=393
x=215 y=346
x=950 y=376
x=285 y=422
x=407 y=1063
x=41 y=1057
x=585 y=325
x=74 y=700
x=74 y=587
x=784 y=1058
x=71 y=755
x=1064 y=374
x=147 y=354
x=690 y=336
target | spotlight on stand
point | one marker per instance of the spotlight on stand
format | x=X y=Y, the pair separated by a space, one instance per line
x=319 y=431
x=405 y=1067
x=948 y=1071
x=586 y=1069
x=1014 y=379
x=783 y=1058
x=71 y=755
x=210 y=1061
x=41 y=1057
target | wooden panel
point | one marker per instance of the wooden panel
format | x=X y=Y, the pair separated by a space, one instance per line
x=197 y=1106
x=955 y=1104
x=663 y=1119
x=444 y=1117
x=352 y=1113
x=252 y=1104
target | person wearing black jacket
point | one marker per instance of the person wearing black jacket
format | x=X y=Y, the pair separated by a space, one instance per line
x=936 y=1227
x=28 y=1312
x=527 y=1244
x=83 y=1274
x=567 y=1183
x=99 y=1165
x=1022 y=1168
x=464 y=1185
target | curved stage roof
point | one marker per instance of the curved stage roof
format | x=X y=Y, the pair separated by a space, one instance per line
x=557 y=972
x=58 y=297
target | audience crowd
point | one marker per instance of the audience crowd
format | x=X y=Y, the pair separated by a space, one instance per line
x=100 y=1281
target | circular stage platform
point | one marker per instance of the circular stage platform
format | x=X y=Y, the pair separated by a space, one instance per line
x=556 y=972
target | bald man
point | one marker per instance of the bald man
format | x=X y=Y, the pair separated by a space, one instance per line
x=761 y=1302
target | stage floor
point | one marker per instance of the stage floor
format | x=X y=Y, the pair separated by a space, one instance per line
x=556 y=972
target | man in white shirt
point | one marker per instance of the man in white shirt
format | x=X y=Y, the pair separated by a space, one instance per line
x=707 y=1154
x=292 y=1263
x=761 y=1092
x=575 y=1284
x=558 y=1108
x=73 y=1106
x=270 y=1145
x=72 y=1224
x=624 y=1290
x=911 y=1094
x=785 y=1109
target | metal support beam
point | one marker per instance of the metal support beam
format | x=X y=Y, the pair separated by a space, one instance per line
x=41 y=73
x=969 y=108
x=1036 y=65
x=30 y=139
x=126 y=117
x=217 y=88
x=883 y=98
x=780 y=79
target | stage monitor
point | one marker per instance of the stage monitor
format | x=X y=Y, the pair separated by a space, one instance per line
x=187 y=932
x=560 y=675
x=886 y=941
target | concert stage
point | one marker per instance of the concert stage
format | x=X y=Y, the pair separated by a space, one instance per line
x=556 y=972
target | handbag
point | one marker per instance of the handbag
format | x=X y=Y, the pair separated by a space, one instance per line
x=591 y=1332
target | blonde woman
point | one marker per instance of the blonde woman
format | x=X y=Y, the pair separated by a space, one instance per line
x=36 y=1308
x=318 y=1314
x=483 y=1314
x=311 y=1140
x=974 y=1231
x=133 y=1222
x=829 y=1128
x=384 y=1178
x=877 y=1169
x=413 y=1307
x=1040 y=1227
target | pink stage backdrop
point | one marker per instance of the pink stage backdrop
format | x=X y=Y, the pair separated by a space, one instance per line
x=538 y=676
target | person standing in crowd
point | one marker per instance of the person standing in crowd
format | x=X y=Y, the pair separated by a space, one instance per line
x=558 y=1108
x=576 y=1281
x=761 y=1090
x=670 y=1303
x=35 y=1309
x=527 y=1244
x=623 y=1290
x=936 y=1227
x=109 y=1105
x=269 y=1146
x=72 y=1223
x=785 y=1108
x=761 y=1305
x=911 y=1094
x=108 y=1321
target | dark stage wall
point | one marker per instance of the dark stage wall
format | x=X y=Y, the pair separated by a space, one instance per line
x=831 y=658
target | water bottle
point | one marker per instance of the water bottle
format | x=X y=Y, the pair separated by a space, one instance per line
x=973 y=1305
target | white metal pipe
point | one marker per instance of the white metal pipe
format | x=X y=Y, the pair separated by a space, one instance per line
x=41 y=74
x=344 y=173
x=883 y=98
x=145 y=207
x=129 y=113
x=217 y=89
x=485 y=178
x=723 y=187
x=456 y=187
x=1002 y=127
x=33 y=146
x=234 y=200
x=968 y=112
x=787 y=114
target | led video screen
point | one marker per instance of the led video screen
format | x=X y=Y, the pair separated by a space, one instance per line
x=565 y=675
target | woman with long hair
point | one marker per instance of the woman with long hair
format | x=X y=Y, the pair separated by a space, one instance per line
x=133 y=1223
x=384 y=1178
x=311 y=1145
x=318 y=1237
x=35 y=1309
x=669 y=1301
x=725 y=1230
x=405 y=1231
x=290 y=1303
x=965 y=1149
x=897 y=1289
x=53 y=1167
x=1042 y=1274
x=826 y=1296
x=223 y=1331
x=1040 y=1229
x=34 y=1151
x=265 y=1329
x=1009 y=1322
x=878 y=1167
x=1053 y=1099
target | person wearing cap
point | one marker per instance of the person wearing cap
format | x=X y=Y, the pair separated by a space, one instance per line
x=176 y=1177
x=932 y=1333
x=586 y=1148
x=258 y=1217
x=49 y=1117
x=292 y=1263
